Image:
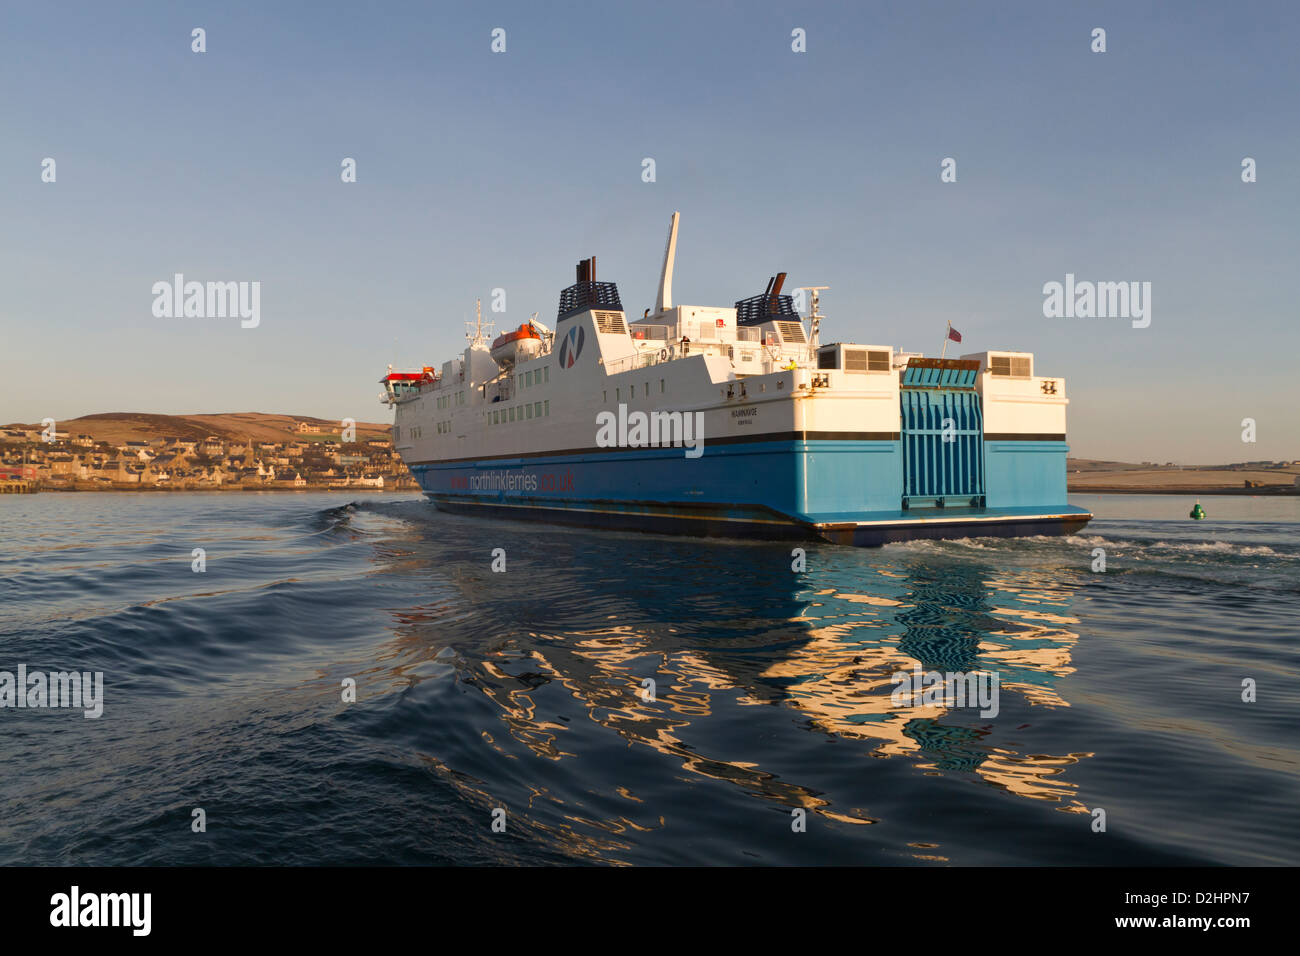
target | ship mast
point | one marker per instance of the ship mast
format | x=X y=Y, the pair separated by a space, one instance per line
x=814 y=314
x=475 y=332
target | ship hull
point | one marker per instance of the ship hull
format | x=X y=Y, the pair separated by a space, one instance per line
x=721 y=521
x=783 y=495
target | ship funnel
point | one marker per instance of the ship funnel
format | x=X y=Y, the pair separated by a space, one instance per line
x=775 y=290
x=666 y=274
x=769 y=304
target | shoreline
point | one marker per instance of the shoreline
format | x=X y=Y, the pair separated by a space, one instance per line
x=160 y=489
x=1270 y=491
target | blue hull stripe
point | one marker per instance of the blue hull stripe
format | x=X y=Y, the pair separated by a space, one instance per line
x=850 y=492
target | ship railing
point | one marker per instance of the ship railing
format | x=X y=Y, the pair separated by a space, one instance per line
x=641 y=331
x=644 y=359
x=668 y=352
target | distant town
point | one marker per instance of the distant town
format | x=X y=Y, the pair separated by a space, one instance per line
x=138 y=451
x=313 y=456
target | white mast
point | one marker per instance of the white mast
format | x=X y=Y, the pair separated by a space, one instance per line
x=475 y=333
x=666 y=276
x=814 y=315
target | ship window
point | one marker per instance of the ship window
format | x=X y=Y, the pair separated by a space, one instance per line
x=1012 y=366
x=496 y=418
x=529 y=409
x=528 y=379
x=862 y=360
x=618 y=394
x=546 y=407
x=647 y=389
x=512 y=414
x=546 y=373
x=661 y=386
x=537 y=407
x=604 y=396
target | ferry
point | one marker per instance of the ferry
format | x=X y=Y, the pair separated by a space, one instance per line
x=733 y=422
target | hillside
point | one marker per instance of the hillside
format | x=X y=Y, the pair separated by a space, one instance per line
x=1092 y=475
x=118 y=427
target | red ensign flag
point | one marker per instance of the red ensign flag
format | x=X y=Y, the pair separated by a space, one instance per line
x=954 y=334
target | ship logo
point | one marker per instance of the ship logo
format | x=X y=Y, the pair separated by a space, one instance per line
x=571 y=347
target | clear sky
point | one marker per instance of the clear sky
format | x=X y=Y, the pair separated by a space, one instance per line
x=479 y=170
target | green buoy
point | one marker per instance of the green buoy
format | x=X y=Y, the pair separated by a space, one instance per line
x=1197 y=511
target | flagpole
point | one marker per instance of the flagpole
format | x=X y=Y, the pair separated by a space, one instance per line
x=945 y=341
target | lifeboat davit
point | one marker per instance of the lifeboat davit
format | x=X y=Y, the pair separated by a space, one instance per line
x=520 y=345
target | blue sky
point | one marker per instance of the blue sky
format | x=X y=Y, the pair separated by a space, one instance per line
x=479 y=170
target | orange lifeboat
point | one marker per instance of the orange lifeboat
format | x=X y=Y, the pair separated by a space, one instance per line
x=517 y=346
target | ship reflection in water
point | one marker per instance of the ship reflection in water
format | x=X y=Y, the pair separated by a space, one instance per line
x=505 y=718
x=756 y=668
